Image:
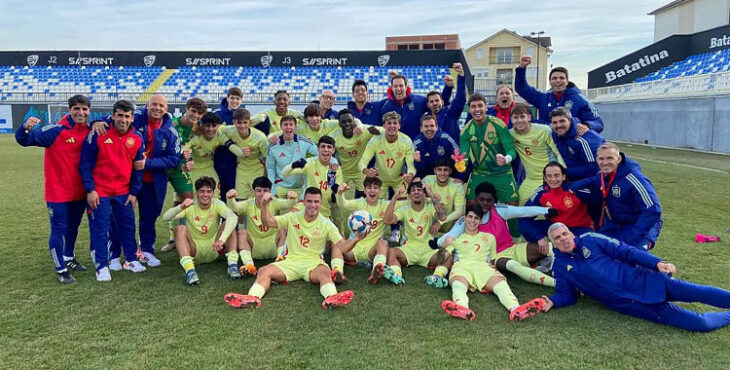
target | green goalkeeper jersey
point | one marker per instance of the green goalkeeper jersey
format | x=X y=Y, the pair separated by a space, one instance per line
x=482 y=142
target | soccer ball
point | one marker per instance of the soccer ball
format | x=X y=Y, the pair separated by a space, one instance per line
x=360 y=221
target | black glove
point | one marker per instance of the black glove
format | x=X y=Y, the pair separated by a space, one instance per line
x=299 y=164
x=551 y=212
x=334 y=188
x=433 y=243
x=333 y=198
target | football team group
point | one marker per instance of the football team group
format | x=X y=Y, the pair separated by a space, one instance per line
x=542 y=196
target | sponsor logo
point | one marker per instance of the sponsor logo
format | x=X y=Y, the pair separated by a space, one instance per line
x=324 y=61
x=383 y=60
x=568 y=267
x=70 y=140
x=32 y=60
x=207 y=61
x=716 y=42
x=642 y=62
x=108 y=141
x=93 y=61
x=149 y=60
x=266 y=61
x=381 y=151
x=282 y=155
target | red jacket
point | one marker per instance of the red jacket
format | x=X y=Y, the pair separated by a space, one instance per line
x=107 y=163
x=63 y=143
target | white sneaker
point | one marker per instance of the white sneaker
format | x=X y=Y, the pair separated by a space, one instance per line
x=545 y=265
x=103 y=274
x=394 y=237
x=168 y=247
x=150 y=259
x=115 y=265
x=134 y=266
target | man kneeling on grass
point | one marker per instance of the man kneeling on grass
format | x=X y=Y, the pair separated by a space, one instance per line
x=472 y=272
x=628 y=280
x=199 y=238
x=307 y=231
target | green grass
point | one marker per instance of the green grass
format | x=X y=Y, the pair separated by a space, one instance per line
x=153 y=320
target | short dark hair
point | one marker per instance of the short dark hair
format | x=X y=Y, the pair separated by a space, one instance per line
x=78 y=99
x=486 y=187
x=123 y=105
x=520 y=108
x=345 y=111
x=477 y=97
x=433 y=92
x=288 y=117
x=558 y=69
x=241 y=114
x=313 y=109
x=413 y=185
x=561 y=111
x=313 y=190
x=554 y=164
x=261 y=182
x=210 y=118
x=428 y=117
x=405 y=80
x=444 y=162
x=205 y=181
x=326 y=140
x=476 y=209
x=280 y=92
x=197 y=104
x=359 y=83
x=372 y=181
x=235 y=91
x=391 y=116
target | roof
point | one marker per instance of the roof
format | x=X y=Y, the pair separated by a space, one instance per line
x=667 y=6
x=545 y=42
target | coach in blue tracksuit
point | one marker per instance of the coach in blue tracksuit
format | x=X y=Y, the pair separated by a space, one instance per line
x=563 y=94
x=629 y=281
x=578 y=151
x=630 y=207
x=431 y=144
x=366 y=111
x=225 y=162
x=448 y=114
x=410 y=107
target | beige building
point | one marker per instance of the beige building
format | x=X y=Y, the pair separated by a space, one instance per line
x=684 y=17
x=493 y=60
x=423 y=42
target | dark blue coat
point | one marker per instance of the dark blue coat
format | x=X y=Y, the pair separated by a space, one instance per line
x=607 y=270
x=579 y=152
x=441 y=146
x=545 y=102
x=448 y=117
x=411 y=111
x=370 y=114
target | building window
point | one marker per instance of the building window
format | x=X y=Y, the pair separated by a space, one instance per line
x=504 y=76
x=504 y=56
x=481 y=73
x=427 y=46
x=480 y=53
x=402 y=47
x=441 y=46
x=413 y=47
x=530 y=50
x=531 y=72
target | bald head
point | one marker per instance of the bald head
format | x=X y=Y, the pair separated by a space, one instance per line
x=327 y=99
x=157 y=106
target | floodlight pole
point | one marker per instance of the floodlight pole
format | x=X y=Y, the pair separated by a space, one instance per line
x=539 y=33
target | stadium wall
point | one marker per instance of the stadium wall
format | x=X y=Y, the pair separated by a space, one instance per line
x=696 y=123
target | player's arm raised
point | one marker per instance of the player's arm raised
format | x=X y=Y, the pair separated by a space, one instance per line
x=267 y=219
x=389 y=217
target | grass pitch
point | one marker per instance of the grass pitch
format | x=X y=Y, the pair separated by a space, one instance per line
x=152 y=320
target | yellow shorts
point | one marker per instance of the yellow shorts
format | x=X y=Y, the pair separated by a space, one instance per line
x=418 y=254
x=517 y=252
x=282 y=191
x=204 y=252
x=527 y=188
x=298 y=269
x=264 y=248
x=477 y=273
x=361 y=252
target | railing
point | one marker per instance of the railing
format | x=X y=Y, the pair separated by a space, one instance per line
x=699 y=85
x=504 y=59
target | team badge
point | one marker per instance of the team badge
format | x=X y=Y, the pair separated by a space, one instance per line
x=368 y=111
x=32 y=60
x=266 y=60
x=568 y=267
x=426 y=218
x=297 y=151
x=383 y=60
x=616 y=191
x=567 y=202
x=534 y=141
x=569 y=104
x=149 y=60
x=586 y=252
x=440 y=150
x=381 y=214
x=411 y=106
x=130 y=142
x=315 y=233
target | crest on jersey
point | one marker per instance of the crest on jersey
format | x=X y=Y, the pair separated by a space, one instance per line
x=586 y=252
x=315 y=233
x=399 y=154
x=441 y=150
x=266 y=60
x=383 y=60
x=411 y=106
x=32 y=60
x=534 y=141
x=616 y=191
x=568 y=202
x=426 y=218
x=130 y=142
x=569 y=104
x=149 y=60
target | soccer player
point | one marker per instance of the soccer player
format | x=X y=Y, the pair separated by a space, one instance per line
x=373 y=248
x=507 y=256
x=290 y=148
x=418 y=217
x=200 y=150
x=307 y=231
x=350 y=148
x=578 y=151
x=320 y=172
x=200 y=239
x=275 y=116
x=472 y=271
x=630 y=207
x=225 y=161
x=450 y=192
x=179 y=176
x=571 y=207
x=250 y=147
x=562 y=93
x=258 y=241
x=112 y=176
x=368 y=112
x=534 y=144
x=630 y=281
x=489 y=148
x=64 y=193
x=393 y=154
x=431 y=145
x=447 y=116
x=327 y=100
x=316 y=127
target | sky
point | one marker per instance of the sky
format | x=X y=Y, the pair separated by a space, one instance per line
x=585 y=34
